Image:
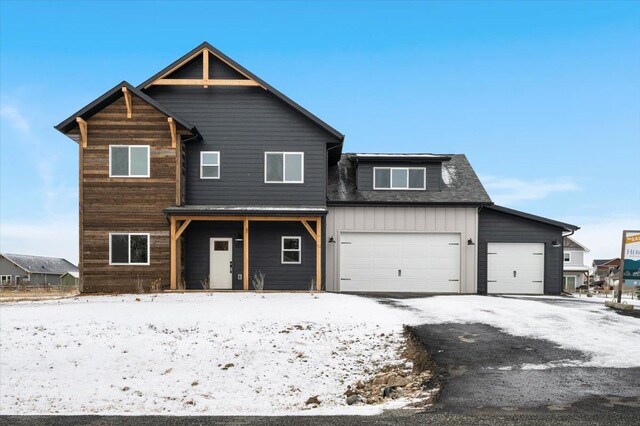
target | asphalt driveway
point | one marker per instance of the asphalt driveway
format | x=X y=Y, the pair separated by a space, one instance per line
x=483 y=368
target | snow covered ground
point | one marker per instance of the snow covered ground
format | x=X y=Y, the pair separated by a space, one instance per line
x=192 y=353
x=234 y=353
x=608 y=339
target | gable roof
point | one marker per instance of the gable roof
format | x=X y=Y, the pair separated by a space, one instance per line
x=565 y=226
x=570 y=243
x=109 y=97
x=41 y=264
x=460 y=185
x=604 y=262
x=266 y=86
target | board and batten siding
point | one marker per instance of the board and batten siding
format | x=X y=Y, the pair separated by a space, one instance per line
x=462 y=220
x=242 y=123
x=500 y=227
x=110 y=205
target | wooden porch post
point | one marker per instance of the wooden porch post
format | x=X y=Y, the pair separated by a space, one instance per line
x=319 y=254
x=245 y=254
x=174 y=260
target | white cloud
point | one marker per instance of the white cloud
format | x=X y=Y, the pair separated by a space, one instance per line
x=54 y=236
x=603 y=235
x=15 y=118
x=511 y=191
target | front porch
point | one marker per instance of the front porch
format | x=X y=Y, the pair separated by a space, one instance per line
x=215 y=250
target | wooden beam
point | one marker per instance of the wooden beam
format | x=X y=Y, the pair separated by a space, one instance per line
x=127 y=101
x=178 y=173
x=174 y=259
x=205 y=67
x=174 y=134
x=83 y=131
x=313 y=234
x=241 y=218
x=202 y=82
x=245 y=253
x=182 y=228
x=319 y=254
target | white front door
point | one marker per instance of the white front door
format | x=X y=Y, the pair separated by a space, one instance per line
x=221 y=263
x=515 y=268
x=399 y=262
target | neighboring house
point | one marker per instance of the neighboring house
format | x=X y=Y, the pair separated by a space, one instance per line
x=34 y=270
x=605 y=268
x=576 y=273
x=70 y=279
x=205 y=174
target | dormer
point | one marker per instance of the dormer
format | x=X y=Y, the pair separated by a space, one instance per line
x=398 y=172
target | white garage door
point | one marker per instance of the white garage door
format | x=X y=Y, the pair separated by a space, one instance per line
x=396 y=262
x=515 y=268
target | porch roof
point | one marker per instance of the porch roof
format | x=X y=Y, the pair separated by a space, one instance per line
x=194 y=210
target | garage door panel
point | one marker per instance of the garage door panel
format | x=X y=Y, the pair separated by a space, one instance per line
x=370 y=261
x=515 y=268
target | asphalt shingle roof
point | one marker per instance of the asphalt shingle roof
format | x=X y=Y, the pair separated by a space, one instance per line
x=460 y=185
x=41 y=264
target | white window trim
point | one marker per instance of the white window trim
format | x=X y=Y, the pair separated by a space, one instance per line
x=129 y=234
x=564 y=256
x=284 y=167
x=299 y=250
x=201 y=164
x=148 y=174
x=391 y=169
x=6 y=279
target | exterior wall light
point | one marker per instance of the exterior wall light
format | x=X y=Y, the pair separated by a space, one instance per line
x=470 y=242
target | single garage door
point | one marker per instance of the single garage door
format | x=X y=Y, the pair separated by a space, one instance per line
x=400 y=262
x=515 y=268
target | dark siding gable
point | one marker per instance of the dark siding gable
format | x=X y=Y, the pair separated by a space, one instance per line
x=242 y=123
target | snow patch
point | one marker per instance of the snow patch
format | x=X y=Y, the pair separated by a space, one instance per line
x=193 y=354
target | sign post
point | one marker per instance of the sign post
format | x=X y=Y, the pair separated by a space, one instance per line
x=629 y=261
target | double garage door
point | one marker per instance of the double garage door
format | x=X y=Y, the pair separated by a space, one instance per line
x=399 y=262
x=515 y=268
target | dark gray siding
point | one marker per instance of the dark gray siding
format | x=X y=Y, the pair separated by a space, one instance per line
x=242 y=123
x=264 y=253
x=364 y=174
x=500 y=227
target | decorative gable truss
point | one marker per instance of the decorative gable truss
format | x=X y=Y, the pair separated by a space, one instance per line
x=203 y=68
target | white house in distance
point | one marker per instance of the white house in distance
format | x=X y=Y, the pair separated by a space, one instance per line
x=575 y=272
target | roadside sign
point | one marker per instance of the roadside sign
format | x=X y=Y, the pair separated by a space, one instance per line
x=631 y=251
x=630 y=260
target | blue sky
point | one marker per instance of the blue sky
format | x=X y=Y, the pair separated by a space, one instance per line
x=543 y=97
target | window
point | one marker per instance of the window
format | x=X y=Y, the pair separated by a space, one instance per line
x=291 y=250
x=399 y=178
x=567 y=256
x=210 y=165
x=128 y=160
x=5 y=279
x=284 y=167
x=129 y=249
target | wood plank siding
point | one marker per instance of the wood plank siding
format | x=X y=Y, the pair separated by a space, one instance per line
x=125 y=204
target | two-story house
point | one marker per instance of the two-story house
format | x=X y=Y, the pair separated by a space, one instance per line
x=576 y=273
x=204 y=175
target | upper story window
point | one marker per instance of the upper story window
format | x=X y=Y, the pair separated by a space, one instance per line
x=128 y=249
x=210 y=165
x=128 y=160
x=413 y=178
x=567 y=256
x=284 y=167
